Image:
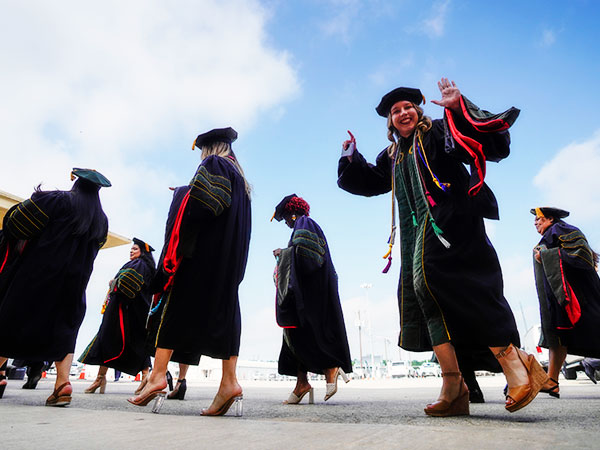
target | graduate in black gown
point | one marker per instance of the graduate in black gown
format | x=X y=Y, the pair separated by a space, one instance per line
x=568 y=289
x=202 y=266
x=314 y=333
x=121 y=340
x=451 y=289
x=50 y=243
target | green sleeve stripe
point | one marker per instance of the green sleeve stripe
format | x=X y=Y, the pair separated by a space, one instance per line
x=309 y=253
x=214 y=191
x=27 y=220
x=309 y=240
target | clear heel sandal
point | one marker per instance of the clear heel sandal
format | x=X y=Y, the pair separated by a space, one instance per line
x=158 y=403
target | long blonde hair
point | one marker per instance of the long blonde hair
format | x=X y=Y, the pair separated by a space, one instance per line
x=423 y=125
x=223 y=149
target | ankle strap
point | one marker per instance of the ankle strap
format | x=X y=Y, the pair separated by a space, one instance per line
x=505 y=352
x=451 y=374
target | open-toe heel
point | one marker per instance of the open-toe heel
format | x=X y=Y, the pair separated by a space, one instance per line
x=158 y=394
x=236 y=401
x=59 y=398
x=294 y=399
x=99 y=382
x=552 y=391
x=457 y=407
x=179 y=392
x=331 y=388
x=524 y=394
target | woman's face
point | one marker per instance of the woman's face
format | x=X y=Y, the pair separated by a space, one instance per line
x=135 y=252
x=542 y=224
x=289 y=220
x=404 y=117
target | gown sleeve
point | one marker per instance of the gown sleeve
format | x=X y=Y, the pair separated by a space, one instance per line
x=132 y=277
x=28 y=219
x=362 y=178
x=210 y=189
x=310 y=248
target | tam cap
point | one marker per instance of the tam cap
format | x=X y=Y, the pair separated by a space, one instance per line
x=547 y=211
x=280 y=208
x=227 y=135
x=142 y=245
x=91 y=175
x=399 y=94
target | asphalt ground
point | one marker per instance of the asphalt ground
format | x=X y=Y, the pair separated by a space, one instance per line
x=363 y=414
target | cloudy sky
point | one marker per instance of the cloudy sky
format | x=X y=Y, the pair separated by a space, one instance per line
x=124 y=87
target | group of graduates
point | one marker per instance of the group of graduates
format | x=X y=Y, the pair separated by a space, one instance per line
x=450 y=294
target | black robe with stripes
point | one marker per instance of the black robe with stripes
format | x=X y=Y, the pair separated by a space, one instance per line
x=120 y=341
x=42 y=284
x=319 y=340
x=202 y=264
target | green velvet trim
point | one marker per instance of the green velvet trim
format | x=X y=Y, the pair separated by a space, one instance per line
x=26 y=221
x=213 y=191
x=129 y=282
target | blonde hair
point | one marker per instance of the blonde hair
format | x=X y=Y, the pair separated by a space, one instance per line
x=423 y=126
x=223 y=149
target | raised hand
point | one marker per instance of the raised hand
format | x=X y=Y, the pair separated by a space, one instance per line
x=450 y=95
x=349 y=146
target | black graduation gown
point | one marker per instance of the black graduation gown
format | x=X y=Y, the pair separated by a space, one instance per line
x=319 y=341
x=568 y=289
x=206 y=252
x=445 y=294
x=120 y=341
x=42 y=299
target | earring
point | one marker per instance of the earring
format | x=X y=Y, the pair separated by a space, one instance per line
x=294 y=217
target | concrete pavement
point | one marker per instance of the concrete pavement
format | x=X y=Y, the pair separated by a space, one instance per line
x=363 y=414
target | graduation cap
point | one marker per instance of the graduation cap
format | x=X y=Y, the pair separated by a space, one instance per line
x=547 y=211
x=280 y=208
x=142 y=245
x=91 y=175
x=399 y=94
x=227 y=135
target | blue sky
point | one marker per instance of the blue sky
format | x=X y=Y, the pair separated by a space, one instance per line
x=126 y=87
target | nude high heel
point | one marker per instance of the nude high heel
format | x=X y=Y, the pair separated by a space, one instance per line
x=294 y=399
x=331 y=388
x=457 y=407
x=523 y=395
x=99 y=382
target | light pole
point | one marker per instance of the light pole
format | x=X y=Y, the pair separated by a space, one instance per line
x=359 y=324
x=366 y=287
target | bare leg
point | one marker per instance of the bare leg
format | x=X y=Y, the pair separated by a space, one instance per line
x=228 y=388
x=183 y=369
x=157 y=379
x=557 y=358
x=446 y=356
x=302 y=384
x=62 y=373
x=514 y=370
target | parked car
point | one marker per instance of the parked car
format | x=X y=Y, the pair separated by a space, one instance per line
x=400 y=369
x=430 y=369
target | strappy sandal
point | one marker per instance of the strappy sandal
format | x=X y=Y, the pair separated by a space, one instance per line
x=552 y=391
x=524 y=394
x=457 y=407
x=56 y=399
x=294 y=399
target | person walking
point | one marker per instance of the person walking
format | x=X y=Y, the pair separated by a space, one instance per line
x=121 y=340
x=202 y=265
x=568 y=289
x=308 y=305
x=49 y=245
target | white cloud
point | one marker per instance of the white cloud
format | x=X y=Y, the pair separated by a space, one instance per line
x=344 y=19
x=434 y=26
x=569 y=179
x=547 y=38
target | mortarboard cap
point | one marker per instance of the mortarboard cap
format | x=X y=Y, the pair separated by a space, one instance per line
x=227 y=135
x=90 y=175
x=142 y=245
x=280 y=208
x=397 y=95
x=547 y=211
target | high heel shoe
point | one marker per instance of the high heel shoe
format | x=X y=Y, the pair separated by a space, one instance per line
x=331 y=388
x=294 y=399
x=159 y=394
x=142 y=385
x=179 y=392
x=170 y=380
x=522 y=395
x=58 y=399
x=235 y=400
x=552 y=391
x=457 y=407
x=99 y=382
x=3 y=384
